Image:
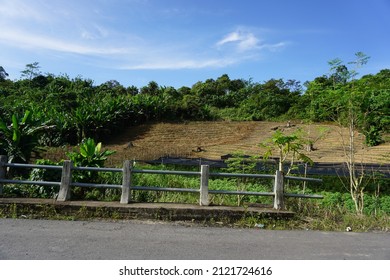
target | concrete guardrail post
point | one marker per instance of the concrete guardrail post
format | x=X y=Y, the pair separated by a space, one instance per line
x=204 y=185
x=3 y=171
x=279 y=191
x=66 y=181
x=126 y=182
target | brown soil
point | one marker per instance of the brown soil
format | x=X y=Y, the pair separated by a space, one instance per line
x=214 y=139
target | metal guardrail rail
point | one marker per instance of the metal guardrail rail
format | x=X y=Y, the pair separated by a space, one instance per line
x=127 y=187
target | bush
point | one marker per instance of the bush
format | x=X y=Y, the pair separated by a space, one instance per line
x=373 y=136
x=48 y=175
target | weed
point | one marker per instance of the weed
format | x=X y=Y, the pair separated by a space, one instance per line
x=14 y=211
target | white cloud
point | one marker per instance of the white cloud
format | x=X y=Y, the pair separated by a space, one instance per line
x=172 y=64
x=94 y=32
x=16 y=9
x=28 y=40
x=250 y=42
x=244 y=41
x=275 y=47
x=79 y=28
x=231 y=37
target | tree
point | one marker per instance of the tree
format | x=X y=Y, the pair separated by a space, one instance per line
x=21 y=138
x=152 y=88
x=376 y=106
x=3 y=74
x=339 y=72
x=349 y=114
x=112 y=87
x=31 y=71
x=132 y=90
x=269 y=100
x=288 y=147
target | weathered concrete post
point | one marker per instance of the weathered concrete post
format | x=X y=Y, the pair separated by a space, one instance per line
x=279 y=191
x=66 y=181
x=3 y=171
x=126 y=182
x=204 y=185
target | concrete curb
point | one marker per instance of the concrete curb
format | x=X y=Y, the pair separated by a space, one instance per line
x=158 y=211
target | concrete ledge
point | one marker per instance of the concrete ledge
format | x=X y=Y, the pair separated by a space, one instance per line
x=162 y=211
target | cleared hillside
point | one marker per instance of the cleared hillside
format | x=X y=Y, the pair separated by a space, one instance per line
x=214 y=139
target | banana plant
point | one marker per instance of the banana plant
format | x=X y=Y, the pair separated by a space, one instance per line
x=90 y=154
x=20 y=138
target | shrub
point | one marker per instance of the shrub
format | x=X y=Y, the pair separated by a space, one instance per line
x=48 y=175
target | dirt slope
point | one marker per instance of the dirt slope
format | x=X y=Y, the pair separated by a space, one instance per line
x=214 y=139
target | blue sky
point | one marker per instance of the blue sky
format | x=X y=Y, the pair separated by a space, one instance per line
x=178 y=42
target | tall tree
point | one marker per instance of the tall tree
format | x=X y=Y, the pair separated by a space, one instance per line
x=152 y=88
x=31 y=71
x=3 y=74
x=288 y=147
x=20 y=138
x=351 y=117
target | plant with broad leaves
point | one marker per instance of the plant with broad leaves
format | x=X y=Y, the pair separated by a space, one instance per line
x=90 y=154
x=287 y=147
x=20 y=138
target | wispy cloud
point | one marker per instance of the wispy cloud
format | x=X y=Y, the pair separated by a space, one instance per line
x=85 y=32
x=235 y=47
x=178 y=64
x=34 y=41
x=244 y=41
x=17 y=9
x=50 y=26
x=94 y=32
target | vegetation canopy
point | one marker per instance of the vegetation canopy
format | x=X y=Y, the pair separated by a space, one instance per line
x=78 y=109
x=47 y=110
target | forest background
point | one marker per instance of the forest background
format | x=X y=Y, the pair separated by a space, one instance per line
x=72 y=109
x=47 y=110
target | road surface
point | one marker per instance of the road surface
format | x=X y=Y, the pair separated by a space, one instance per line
x=118 y=240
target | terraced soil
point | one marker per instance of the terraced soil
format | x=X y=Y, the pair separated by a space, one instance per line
x=215 y=139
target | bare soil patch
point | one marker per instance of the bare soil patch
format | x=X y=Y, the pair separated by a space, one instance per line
x=214 y=139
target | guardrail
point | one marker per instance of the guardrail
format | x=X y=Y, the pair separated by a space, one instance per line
x=127 y=187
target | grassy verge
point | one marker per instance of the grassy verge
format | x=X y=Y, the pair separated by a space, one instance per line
x=333 y=213
x=322 y=220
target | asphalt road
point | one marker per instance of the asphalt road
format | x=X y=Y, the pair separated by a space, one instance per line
x=102 y=240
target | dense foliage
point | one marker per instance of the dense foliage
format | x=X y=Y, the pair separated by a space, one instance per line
x=49 y=110
x=76 y=108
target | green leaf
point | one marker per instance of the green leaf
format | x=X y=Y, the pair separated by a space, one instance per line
x=26 y=117
x=83 y=150
x=98 y=148
x=3 y=126
x=15 y=128
x=15 y=123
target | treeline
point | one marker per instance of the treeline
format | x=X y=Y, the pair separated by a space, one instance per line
x=74 y=108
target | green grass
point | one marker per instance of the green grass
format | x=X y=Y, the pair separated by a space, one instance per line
x=334 y=212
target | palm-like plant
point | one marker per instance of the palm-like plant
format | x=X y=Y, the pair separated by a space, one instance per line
x=287 y=146
x=90 y=154
x=20 y=139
